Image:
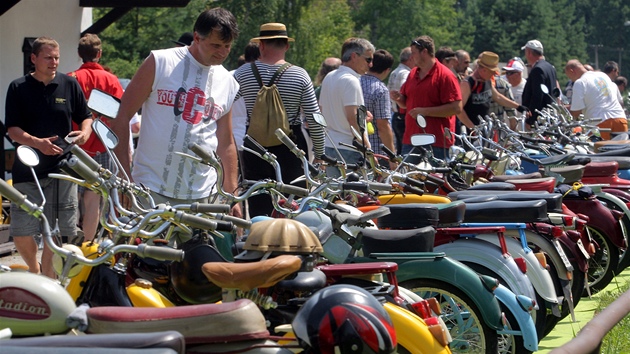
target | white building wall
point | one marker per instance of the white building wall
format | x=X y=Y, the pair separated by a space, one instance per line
x=62 y=20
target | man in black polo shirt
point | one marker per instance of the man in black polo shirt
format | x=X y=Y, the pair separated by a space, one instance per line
x=40 y=108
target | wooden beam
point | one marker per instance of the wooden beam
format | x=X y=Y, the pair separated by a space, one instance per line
x=133 y=3
x=6 y=5
x=112 y=16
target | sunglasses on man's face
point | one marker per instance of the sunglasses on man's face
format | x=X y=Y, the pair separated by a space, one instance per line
x=510 y=73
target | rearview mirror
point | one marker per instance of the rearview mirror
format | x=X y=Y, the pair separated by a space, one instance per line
x=447 y=133
x=104 y=104
x=544 y=89
x=422 y=139
x=27 y=155
x=556 y=92
x=319 y=119
x=106 y=135
x=422 y=123
x=361 y=116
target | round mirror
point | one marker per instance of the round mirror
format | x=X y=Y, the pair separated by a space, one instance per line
x=106 y=135
x=447 y=133
x=544 y=88
x=422 y=123
x=319 y=119
x=27 y=155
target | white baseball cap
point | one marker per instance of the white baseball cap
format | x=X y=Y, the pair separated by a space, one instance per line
x=514 y=65
x=533 y=44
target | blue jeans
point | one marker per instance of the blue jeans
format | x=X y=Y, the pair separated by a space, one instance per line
x=349 y=156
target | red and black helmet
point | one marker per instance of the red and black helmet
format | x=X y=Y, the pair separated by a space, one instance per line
x=344 y=317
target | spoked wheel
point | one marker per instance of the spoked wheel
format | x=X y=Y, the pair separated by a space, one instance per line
x=463 y=319
x=511 y=343
x=603 y=264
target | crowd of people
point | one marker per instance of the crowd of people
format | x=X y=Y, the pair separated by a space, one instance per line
x=188 y=96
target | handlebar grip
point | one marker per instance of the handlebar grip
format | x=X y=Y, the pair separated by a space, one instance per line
x=85 y=158
x=201 y=152
x=547 y=133
x=88 y=174
x=414 y=182
x=529 y=159
x=329 y=160
x=530 y=146
x=358 y=145
x=442 y=170
x=353 y=167
x=355 y=186
x=291 y=189
x=556 y=150
x=286 y=140
x=466 y=166
x=313 y=170
x=413 y=190
x=388 y=152
x=210 y=208
x=252 y=144
x=436 y=180
x=223 y=225
x=376 y=186
x=242 y=223
x=199 y=222
x=527 y=138
x=160 y=252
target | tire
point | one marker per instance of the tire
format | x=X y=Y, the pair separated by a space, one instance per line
x=539 y=315
x=509 y=343
x=602 y=266
x=469 y=331
x=624 y=256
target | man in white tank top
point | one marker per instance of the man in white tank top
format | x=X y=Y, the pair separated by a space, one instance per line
x=186 y=97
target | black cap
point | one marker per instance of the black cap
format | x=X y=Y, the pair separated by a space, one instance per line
x=185 y=39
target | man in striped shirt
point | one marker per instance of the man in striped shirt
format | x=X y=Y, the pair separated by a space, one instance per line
x=296 y=90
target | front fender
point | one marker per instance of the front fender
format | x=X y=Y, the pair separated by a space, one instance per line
x=523 y=318
x=489 y=256
x=538 y=276
x=412 y=332
x=450 y=271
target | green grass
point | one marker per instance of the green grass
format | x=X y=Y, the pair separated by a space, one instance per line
x=618 y=339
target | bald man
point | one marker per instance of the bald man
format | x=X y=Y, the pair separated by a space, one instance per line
x=595 y=95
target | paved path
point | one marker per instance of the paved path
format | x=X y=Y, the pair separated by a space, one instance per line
x=565 y=330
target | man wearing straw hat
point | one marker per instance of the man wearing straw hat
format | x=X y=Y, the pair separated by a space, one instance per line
x=297 y=94
x=478 y=91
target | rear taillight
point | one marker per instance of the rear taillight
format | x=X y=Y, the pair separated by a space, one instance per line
x=580 y=224
x=422 y=309
x=526 y=303
x=584 y=217
x=522 y=265
x=568 y=220
x=556 y=231
x=617 y=214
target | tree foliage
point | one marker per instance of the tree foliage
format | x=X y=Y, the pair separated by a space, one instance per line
x=567 y=28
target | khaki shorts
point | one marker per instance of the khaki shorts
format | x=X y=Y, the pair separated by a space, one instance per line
x=61 y=205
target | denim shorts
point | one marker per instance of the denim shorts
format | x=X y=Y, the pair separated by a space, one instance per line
x=61 y=205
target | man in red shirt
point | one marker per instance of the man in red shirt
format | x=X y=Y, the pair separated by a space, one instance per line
x=431 y=90
x=92 y=75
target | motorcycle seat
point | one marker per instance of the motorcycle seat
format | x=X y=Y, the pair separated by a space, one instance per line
x=410 y=216
x=502 y=211
x=236 y=321
x=503 y=178
x=622 y=160
x=248 y=276
x=303 y=281
x=398 y=241
x=601 y=169
x=534 y=184
x=571 y=173
x=620 y=152
x=554 y=200
x=494 y=185
x=171 y=340
x=609 y=145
